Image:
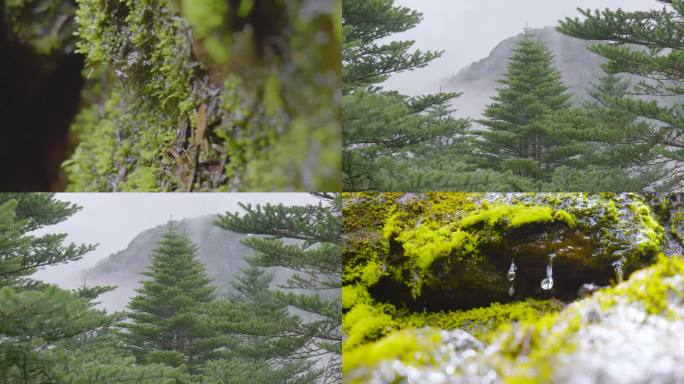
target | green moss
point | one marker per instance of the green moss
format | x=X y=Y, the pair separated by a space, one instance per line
x=115 y=153
x=205 y=15
x=371 y=273
x=209 y=96
x=564 y=216
x=45 y=25
x=354 y=294
x=401 y=346
x=540 y=342
x=430 y=241
x=366 y=322
x=480 y=322
x=651 y=289
x=420 y=239
x=509 y=216
x=652 y=231
x=677 y=226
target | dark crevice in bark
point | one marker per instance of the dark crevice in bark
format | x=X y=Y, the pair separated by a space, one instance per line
x=39 y=97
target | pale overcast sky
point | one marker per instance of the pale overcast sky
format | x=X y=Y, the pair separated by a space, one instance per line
x=112 y=220
x=469 y=29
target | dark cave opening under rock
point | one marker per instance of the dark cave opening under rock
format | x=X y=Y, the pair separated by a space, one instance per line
x=39 y=97
x=464 y=286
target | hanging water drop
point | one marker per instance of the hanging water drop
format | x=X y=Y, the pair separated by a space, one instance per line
x=617 y=265
x=547 y=283
x=511 y=291
x=511 y=271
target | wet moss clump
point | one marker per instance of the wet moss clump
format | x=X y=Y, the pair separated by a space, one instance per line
x=481 y=322
x=44 y=25
x=365 y=320
x=400 y=345
x=197 y=95
x=443 y=251
x=619 y=334
x=480 y=287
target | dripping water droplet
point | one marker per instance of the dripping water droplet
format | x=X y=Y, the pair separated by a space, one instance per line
x=511 y=291
x=511 y=271
x=617 y=265
x=547 y=283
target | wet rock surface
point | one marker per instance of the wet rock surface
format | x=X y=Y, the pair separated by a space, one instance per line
x=431 y=252
x=630 y=333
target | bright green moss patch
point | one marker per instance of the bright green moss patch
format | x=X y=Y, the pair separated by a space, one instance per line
x=433 y=257
x=402 y=346
x=509 y=216
x=430 y=241
x=354 y=294
x=534 y=338
x=480 y=322
x=566 y=217
x=205 y=15
x=454 y=242
x=535 y=346
x=366 y=322
x=652 y=230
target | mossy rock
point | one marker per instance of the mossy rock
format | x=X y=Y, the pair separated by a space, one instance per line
x=630 y=333
x=669 y=209
x=441 y=251
x=366 y=320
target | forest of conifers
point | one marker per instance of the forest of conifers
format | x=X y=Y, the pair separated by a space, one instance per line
x=531 y=137
x=179 y=327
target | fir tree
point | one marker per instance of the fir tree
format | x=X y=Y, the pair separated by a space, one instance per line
x=532 y=89
x=313 y=252
x=37 y=318
x=22 y=254
x=660 y=67
x=263 y=341
x=168 y=321
x=367 y=62
x=606 y=148
x=391 y=141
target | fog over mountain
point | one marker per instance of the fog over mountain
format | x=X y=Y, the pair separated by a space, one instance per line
x=221 y=252
x=579 y=68
x=467 y=31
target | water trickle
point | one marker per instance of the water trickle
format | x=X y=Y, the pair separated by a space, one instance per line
x=511 y=271
x=617 y=265
x=511 y=290
x=547 y=283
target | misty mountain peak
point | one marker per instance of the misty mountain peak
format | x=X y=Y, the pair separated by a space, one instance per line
x=221 y=252
x=578 y=66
